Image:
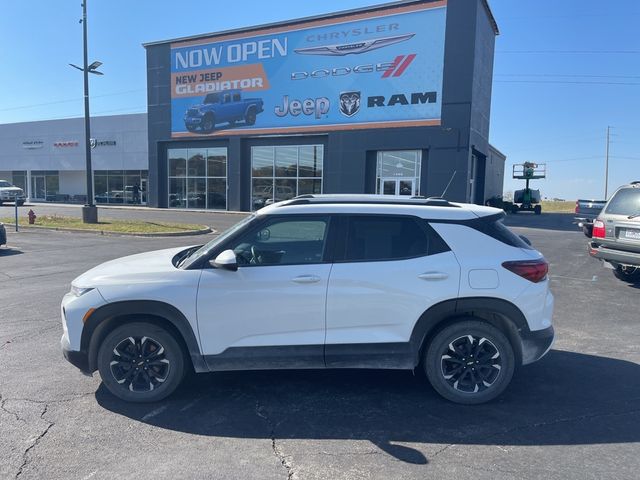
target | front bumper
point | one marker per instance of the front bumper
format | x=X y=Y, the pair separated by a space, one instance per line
x=612 y=255
x=75 y=358
x=536 y=344
x=192 y=121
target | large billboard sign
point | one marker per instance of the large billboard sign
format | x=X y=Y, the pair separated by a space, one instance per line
x=369 y=70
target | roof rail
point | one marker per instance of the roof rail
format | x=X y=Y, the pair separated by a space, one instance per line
x=368 y=199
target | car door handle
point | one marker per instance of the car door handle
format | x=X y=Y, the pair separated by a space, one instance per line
x=306 y=279
x=433 y=276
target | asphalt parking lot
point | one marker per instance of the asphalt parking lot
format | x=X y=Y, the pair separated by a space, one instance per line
x=573 y=415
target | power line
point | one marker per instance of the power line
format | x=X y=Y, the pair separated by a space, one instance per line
x=572 y=52
x=568 y=75
x=79 y=99
x=569 y=82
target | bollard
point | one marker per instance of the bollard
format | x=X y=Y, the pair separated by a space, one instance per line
x=16 y=204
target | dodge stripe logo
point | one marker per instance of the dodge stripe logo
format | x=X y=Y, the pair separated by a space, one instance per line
x=399 y=65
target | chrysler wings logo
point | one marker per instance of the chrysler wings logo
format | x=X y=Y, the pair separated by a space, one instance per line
x=353 y=48
x=349 y=103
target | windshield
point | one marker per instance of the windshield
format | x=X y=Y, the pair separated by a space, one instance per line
x=626 y=201
x=205 y=249
x=5 y=184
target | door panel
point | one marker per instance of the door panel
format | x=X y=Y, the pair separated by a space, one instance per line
x=270 y=311
x=262 y=306
x=390 y=297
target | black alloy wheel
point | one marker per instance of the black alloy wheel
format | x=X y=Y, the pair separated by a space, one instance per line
x=250 y=117
x=208 y=123
x=141 y=362
x=469 y=361
x=470 y=364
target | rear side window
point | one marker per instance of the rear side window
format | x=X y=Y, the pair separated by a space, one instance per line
x=626 y=201
x=494 y=227
x=380 y=237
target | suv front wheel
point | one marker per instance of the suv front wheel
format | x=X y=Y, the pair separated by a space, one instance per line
x=141 y=362
x=469 y=362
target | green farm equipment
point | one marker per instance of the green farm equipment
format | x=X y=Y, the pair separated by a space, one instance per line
x=528 y=199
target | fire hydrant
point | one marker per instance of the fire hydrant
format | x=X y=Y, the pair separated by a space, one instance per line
x=32 y=217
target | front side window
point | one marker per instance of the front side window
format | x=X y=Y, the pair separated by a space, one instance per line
x=379 y=237
x=289 y=241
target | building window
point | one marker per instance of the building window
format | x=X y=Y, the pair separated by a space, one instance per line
x=398 y=172
x=197 y=178
x=19 y=179
x=45 y=185
x=281 y=173
x=120 y=186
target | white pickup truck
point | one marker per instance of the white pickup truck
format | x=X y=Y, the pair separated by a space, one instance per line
x=11 y=193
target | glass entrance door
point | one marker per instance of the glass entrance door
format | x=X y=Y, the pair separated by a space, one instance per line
x=398 y=186
x=38 y=188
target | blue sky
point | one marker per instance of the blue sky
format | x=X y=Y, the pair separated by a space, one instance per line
x=563 y=72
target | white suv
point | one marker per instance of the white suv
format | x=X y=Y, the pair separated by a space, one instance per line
x=321 y=281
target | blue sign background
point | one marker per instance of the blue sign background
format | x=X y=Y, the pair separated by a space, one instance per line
x=424 y=73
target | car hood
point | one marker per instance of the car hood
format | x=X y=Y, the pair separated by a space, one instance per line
x=11 y=189
x=141 y=268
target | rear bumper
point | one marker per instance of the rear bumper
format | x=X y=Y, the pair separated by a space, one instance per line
x=613 y=255
x=536 y=344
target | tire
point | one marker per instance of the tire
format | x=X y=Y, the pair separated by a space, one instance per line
x=515 y=209
x=20 y=204
x=628 y=274
x=537 y=209
x=208 y=123
x=168 y=368
x=250 y=117
x=465 y=387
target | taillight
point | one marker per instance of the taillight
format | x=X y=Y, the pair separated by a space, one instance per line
x=577 y=210
x=533 y=270
x=598 y=229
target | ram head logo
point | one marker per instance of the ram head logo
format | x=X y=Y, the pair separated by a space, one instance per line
x=349 y=103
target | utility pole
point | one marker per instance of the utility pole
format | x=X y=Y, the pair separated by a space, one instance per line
x=606 y=166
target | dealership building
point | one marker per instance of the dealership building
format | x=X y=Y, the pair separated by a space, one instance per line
x=47 y=159
x=390 y=99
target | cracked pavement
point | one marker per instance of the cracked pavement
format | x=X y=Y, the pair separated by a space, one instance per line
x=573 y=415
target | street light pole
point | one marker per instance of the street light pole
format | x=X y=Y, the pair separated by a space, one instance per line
x=606 y=167
x=89 y=211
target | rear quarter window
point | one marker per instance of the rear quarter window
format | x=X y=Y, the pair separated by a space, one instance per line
x=494 y=227
x=625 y=201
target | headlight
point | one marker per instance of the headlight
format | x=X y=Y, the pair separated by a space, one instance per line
x=78 y=292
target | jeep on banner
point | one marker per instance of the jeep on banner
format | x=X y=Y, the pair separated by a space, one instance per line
x=373 y=70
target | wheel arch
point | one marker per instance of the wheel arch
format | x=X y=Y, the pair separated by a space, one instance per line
x=110 y=316
x=502 y=314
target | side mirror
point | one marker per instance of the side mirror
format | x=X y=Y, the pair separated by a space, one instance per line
x=525 y=240
x=227 y=261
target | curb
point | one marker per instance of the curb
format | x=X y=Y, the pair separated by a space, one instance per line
x=202 y=231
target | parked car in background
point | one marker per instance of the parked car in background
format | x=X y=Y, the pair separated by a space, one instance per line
x=616 y=233
x=11 y=193
x=3 y=235
x=586 y=212
x=321 y=281
x=222 y=107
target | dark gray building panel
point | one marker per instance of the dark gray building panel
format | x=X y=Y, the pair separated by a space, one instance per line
x=452 y=152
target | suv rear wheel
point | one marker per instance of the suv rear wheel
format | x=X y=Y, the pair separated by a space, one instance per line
x=141 y=362
x=469 y=362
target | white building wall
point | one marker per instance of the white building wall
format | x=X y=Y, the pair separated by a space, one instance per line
x=61 y=144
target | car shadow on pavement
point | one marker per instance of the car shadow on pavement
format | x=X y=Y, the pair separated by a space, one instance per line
x=8 y=252
x=565 y=399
